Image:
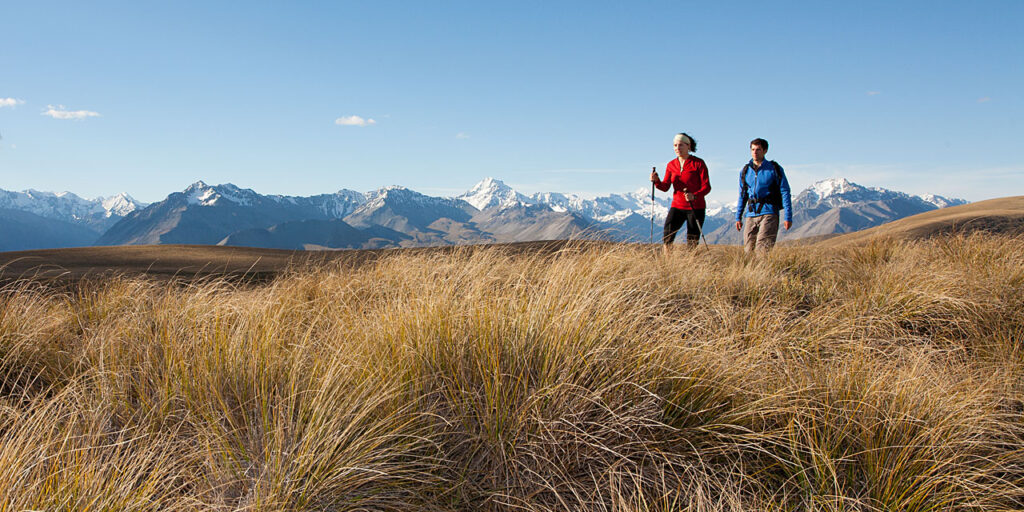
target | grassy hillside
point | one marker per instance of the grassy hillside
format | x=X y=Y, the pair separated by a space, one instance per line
x=1002 y=215
x=883 y=377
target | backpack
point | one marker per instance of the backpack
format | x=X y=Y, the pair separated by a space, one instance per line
x=773 y=198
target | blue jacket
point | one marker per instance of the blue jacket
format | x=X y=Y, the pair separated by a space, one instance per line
x=761 y=182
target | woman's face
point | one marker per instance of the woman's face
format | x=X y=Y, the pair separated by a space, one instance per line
x=682 y=147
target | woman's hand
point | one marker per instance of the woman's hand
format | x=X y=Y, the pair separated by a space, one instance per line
x=689 y=197
x=654 y=177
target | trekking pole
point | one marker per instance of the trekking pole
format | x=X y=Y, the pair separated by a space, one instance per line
x=653 y=169
x=692 y=217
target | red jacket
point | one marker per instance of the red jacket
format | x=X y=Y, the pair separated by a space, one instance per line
x=693 y=178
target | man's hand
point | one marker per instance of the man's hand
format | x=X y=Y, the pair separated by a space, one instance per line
x=654 y=177
x=739 y=226
x=787 y=224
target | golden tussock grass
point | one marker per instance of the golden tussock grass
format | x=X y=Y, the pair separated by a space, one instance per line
x=882 y=377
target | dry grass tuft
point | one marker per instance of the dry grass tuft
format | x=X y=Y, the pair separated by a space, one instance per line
x=882 y=377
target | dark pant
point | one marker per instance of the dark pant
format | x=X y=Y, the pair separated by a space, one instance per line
x=694 y=220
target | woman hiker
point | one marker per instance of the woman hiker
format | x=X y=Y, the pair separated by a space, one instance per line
x=688 y=175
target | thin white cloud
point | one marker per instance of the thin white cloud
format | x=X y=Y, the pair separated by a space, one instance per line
x=462 y=135
x=10 y=102
x=60 y=112
x=354 y=121
x=984 y=99
x=874 y=93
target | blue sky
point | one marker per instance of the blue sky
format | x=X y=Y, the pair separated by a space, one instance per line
x=303 y=98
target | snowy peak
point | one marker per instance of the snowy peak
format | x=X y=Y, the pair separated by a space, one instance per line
x=120 y=205
x=381 y=196
x=349 y=196
x=835 y=192
x=942 y=202
x=333 y=206
x=199 y=193
x=400 y=196
x=491 y=193
x=555 y=201
x=394 y=190
x=716 y=207
x=197 y=186
x=833 y=186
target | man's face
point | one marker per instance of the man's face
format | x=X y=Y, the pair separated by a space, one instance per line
x=756 y=152
x=682 y=147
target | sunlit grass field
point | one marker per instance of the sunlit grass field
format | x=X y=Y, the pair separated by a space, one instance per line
x=888 y=376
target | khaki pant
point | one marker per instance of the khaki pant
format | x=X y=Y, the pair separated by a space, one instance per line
x=759 y=232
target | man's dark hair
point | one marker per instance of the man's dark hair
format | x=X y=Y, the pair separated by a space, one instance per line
x=761 y=143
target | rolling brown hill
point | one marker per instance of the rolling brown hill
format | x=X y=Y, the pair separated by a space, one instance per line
x=1002 y=215
x=188 y=262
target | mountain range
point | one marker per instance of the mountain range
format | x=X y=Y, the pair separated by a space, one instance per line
x=399 y=217
x=35 y=220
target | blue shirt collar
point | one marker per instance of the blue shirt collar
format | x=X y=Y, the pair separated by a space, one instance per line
x=764 y=165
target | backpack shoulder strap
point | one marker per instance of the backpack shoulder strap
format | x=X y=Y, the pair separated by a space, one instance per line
x=743 y=176
x=777 y=189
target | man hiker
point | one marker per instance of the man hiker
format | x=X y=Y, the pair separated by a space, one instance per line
x=764 y=193
x=688 y=174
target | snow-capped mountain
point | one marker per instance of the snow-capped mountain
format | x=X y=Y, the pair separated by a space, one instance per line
x=96 y=214
x=333 y=206
x=493 y=193
x=120 y=205
x=410 y=212
x=942 y=202
x=610 y=208
x=205 y=214
x=396 y=196
x=336 y=205
x=201 y=194
x=835 y=192
x=832 y=187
